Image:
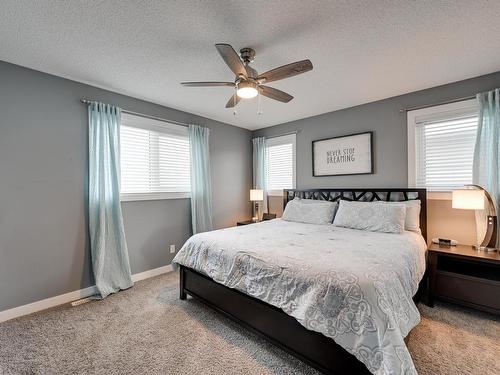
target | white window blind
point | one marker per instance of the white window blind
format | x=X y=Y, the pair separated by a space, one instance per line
x=155 y=160
x=280 y=163
x=444 y=148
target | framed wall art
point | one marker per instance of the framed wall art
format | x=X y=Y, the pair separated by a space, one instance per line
x=345 y=155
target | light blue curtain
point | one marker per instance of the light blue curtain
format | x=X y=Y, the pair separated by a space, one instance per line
x=487 y=151
x=201 y=184
x=260 y=167
x=108 y=247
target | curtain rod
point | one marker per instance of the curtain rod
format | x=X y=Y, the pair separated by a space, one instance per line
x=88 y=101
x=283 y=134
x=435 y=104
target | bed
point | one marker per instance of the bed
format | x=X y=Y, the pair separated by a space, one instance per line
x=340 y=299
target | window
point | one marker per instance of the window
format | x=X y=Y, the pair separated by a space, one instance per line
x=280 y=164
x=441 y=142
x=154 y=159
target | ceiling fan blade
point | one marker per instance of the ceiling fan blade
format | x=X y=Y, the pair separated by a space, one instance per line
x=233 y=101
x=232 y=59
x=286 y=71
x=207 y=84
x=275 y=94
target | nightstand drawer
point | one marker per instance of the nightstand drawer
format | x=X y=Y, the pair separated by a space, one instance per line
x=468 y=290
x=464 y=275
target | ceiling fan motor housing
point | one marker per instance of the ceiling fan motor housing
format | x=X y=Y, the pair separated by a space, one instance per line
x=247 y=54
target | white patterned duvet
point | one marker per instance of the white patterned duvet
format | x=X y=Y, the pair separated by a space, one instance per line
x=353 y=286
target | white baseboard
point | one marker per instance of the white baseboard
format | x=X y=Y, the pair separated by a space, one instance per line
x=46 y=303
x=152 y=273
x=72 y=296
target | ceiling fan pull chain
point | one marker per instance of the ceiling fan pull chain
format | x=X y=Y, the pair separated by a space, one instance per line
x=234 y=100
x=259 y=104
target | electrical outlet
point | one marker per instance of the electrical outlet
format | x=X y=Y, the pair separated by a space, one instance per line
x=172 y=249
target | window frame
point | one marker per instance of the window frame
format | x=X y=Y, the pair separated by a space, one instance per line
x=282 y=140
x=152 y=124
x=445 y=110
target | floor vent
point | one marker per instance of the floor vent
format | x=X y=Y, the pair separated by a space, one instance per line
x=81 y=301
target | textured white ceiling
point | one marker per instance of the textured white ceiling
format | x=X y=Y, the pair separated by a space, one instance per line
x=362 y=50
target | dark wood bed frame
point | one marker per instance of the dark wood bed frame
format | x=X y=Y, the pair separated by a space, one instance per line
x=272 y=323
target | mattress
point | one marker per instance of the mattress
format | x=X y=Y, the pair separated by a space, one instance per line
x=353 y=286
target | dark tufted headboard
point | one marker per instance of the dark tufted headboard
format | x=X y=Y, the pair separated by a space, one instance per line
x=364 y=194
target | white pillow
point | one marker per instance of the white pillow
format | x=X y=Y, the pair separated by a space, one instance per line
x=372 y=216
x=412 y=221
x=318 y=212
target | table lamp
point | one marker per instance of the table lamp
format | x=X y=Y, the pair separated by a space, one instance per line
x=256 y=196
x=472 y=198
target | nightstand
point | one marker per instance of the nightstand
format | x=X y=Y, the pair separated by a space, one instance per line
x=464 y=275
x=246 y=222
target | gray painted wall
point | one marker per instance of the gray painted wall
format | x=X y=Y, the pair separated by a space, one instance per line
x=43 y=163
x=43 y=153
x=390 y=135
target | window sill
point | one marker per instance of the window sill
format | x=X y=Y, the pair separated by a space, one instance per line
x=153 y=196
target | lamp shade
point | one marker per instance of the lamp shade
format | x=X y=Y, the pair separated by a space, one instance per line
x=468 y=199
x=256 y=195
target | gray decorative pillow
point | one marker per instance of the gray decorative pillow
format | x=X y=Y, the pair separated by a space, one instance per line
x=412 y=221
x=318 y=201
x=372 y=216
x=310 y=201
x=311 y=212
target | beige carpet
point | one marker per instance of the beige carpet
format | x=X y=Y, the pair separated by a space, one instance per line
x=148 y=330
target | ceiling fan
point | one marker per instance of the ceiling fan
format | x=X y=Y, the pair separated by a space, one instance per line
x=248 y=83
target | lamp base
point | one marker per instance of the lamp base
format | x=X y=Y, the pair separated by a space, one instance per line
x=490 y=238
x=256 y=212
x=485 y=248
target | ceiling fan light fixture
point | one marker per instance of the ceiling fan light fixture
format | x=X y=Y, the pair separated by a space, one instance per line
x=247 y=90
